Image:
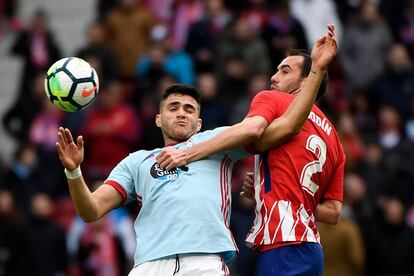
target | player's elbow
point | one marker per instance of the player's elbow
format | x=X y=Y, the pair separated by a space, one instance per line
x=255 y=128
x=336 y=216
x=287 y=129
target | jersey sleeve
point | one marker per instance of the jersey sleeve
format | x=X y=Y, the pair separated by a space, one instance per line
x=336 y=186
x=121 y=178
x=265 y=104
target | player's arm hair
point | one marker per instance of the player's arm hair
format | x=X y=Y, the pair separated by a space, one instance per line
x=240 y=134
x=328 y=211
x=92 y=206
x=291 y=122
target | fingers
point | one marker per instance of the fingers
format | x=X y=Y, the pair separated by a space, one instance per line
x=68 y=135
x=61 y=140
x=79 y=141
x=161 y=157
x=59 y=149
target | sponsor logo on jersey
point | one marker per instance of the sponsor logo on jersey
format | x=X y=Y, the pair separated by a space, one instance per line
x=158 y=173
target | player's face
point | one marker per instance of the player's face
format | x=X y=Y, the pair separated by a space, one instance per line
x=288 y=75
x=179 y=118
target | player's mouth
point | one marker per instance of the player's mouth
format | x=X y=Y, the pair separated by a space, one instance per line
x=274 y=87
x=181 y=123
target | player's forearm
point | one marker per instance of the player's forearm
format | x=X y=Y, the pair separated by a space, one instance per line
x=237 y=135
x=291 y=122
x=328 y=211
x=83 y=199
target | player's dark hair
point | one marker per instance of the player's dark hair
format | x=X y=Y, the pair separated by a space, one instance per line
x=183 y=90
x=306 y=67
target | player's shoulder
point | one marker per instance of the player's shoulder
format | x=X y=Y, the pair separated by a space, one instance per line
x=273 y=96
x=140 y=155
x=208 y=133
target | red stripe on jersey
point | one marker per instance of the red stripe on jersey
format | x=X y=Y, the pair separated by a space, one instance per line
x=119 y=188
x=225 y=197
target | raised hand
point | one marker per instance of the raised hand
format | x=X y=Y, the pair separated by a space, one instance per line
x=70 y=153
x=325 y=49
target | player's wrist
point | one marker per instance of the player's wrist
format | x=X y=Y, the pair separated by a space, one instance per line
x=316 y=70
x=76 y=173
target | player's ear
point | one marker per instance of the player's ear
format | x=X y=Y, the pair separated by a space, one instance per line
x=158 y=120
x=199 y=123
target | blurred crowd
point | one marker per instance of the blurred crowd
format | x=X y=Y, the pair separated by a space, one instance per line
x=228 y=49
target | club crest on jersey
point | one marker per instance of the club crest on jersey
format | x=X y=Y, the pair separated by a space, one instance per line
x=158 y=173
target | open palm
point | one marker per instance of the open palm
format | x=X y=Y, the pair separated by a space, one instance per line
x=325 y=49
x=70 y=153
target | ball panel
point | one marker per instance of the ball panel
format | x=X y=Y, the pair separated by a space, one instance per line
x=58 y=64
x=60 y=84
x=84 y=93
x=65 y=105
x=79 y=68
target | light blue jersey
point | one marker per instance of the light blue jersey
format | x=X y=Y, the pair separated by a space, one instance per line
x=186 y=210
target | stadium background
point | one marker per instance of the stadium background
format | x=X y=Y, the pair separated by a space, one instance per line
x=228 y=49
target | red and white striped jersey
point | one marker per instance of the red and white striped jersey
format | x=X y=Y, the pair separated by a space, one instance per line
x=292 y=179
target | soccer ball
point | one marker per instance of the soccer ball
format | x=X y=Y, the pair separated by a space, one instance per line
x=71 y=84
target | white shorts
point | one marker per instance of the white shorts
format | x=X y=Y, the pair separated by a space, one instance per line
x=183 y=265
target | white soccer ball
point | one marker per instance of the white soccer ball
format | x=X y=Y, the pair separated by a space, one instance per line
x=71 y=84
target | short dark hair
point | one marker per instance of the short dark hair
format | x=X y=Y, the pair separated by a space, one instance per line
x=306 y=67
x=183 y=90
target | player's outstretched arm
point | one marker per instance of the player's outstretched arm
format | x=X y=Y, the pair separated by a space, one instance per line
x=245 y=132
x=290 y=123
x=90 y=206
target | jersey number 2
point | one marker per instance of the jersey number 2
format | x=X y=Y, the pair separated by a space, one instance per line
x=316 y=145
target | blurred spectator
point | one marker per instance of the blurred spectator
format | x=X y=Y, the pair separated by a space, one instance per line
x=398 y=153
x=8 y=16
x=351 y=142
x=283 y=32
x=18 y=118
x=43 y=135
x=22 y=176
x=396 y=86
x=366 y=41
x=234 y=79
x=359 y=204
x=343 y=248
x=130 y=43
x=117 y=230
x=241 y=220
x=214 y=112
x=314 y=16
x=96 y=52
x=111 y=129
x=164 y=58
x=363 y=114
x=397 y=14
x=103 y=7
x=405 y=27
x=203 y=35
x=13 y=251
x=186 y=12
x=37 y=47
x=240 y=107
x=256 y=14
x=389 y=241
x=163 y=10
x=46 y=241
x=242 y=40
